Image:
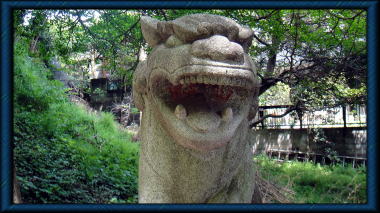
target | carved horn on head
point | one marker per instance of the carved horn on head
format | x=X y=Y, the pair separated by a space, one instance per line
x=149 y=30
x=155 y=31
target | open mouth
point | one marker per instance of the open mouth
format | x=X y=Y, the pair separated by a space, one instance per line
x=204 y=102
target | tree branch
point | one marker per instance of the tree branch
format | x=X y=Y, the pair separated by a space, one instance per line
x=289 y=110
x=164 y=14
x=89 y=31
x=111 y=41
x=129 y=30
x=260 y=40
x=297 y=20
x=266 y=83
x=266 y=16
x=345 y=18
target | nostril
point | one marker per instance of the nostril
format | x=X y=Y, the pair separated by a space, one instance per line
x=218 y=48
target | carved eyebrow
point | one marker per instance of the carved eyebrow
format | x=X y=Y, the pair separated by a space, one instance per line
x=190 y=30
x=197 y=26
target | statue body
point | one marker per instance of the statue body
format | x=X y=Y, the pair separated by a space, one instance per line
x=197 y=89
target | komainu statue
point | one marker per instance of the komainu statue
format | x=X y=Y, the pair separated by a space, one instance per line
x=197 y=89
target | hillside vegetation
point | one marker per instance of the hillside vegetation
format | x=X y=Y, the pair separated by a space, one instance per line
x=64 y=154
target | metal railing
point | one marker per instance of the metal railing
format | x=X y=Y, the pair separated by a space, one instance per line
x=343 y=116
x=289 y=155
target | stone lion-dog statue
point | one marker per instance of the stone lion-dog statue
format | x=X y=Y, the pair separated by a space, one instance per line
x=197 y=89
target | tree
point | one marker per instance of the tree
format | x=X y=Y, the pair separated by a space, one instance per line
x=319 y=54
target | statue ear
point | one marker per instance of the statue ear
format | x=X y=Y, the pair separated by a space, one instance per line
x=139 y=85
x=150 y=31
x=255 y=102
x=253 y=109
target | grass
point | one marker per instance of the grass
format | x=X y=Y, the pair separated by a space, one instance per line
x=314 y=183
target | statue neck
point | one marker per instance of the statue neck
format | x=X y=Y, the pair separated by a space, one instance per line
x=170 y=173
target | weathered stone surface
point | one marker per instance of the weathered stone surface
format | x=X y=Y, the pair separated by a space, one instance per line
x=196 y=90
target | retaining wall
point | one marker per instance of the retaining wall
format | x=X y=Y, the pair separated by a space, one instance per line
x=351 y=141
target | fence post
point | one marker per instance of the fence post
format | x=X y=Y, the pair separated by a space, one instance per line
x=300 y=116
x=261 y=114
x=344 y=116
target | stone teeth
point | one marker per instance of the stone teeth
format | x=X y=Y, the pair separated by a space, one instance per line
x=226 y=81
x=233 y=81
x=180 y=112
x=227 y=114
x=205 y=79
x=238 y=82
x=193 y=79
x=248 y=84
x=221 y=80
x=209 y=80
x=188 y=80
x=214 y=81
x=244 y=83
x=199 y=79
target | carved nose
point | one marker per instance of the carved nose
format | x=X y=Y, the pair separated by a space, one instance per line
x=218 y=48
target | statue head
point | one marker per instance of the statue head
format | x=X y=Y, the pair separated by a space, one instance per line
x=199 y=78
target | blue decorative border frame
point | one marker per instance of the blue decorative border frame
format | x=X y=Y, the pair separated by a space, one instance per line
x=6 y=100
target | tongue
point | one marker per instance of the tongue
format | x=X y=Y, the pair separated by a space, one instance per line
x=203 y=121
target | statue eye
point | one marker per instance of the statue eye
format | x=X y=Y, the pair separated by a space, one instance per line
x=173 y=41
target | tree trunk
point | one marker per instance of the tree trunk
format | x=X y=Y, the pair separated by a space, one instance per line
x=16 y=188
x=33 y=44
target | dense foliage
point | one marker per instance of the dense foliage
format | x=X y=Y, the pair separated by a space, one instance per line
x=64 y=154
x=314 y=183
x=319 y=54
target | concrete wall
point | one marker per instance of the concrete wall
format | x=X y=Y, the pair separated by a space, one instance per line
x=346 y=141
